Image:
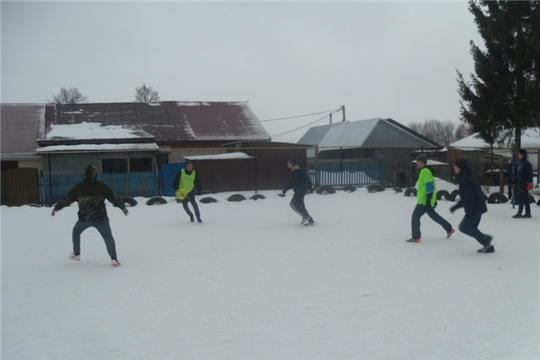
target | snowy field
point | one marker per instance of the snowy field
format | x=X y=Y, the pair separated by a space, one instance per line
x=251 y=283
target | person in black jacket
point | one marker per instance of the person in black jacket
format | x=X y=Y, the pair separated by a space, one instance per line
x=299 y=181
x=91 y=195
x=523 y=181
x=188 y=179
x=473 y=201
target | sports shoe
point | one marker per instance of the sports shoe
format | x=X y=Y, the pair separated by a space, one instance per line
x=413 y=240
x=191 y=218
x=527 y=216
x=450 y=233
x=73 y=256
x=115 y=263
x=517 y=216
x=487 y=249
x=199 y=220
x=304 y=221
x=309 y=222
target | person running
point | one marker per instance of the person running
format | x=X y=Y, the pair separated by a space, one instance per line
x=90 y=195
x=524 y=184
x=188 y=179
x=473 y=201
x=299 y=184
x=426 y=201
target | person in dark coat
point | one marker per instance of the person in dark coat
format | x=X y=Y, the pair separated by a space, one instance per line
x=511 y=170
x=524 y=183
x=91 y=195
x=188 y=179
x=473 y=201
x=298 y=184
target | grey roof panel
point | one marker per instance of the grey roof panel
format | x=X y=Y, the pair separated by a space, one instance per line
x=21 y=126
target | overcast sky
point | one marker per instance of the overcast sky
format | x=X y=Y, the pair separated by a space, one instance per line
x=379 y=59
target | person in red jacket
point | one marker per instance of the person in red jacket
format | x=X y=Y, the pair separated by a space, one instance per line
x=91 y=195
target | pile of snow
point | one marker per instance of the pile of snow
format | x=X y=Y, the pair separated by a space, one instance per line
x=250 y=283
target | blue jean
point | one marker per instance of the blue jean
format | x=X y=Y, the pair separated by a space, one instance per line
x=104 y=229
x=469 y=226
x=523 y=198
x=418 y=212
x=297 y=204
x=191 y=199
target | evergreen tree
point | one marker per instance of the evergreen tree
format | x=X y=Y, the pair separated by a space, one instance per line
x=503 y=98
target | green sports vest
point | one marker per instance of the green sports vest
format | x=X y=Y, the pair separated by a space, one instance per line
x=187 y=182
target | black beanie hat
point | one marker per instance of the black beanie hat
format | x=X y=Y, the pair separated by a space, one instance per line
x=462 y=163
x=523 y=152
x=422 y=157
x=292 y=162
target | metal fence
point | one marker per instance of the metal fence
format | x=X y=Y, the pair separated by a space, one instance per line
x=342 y=173
x=123 y=184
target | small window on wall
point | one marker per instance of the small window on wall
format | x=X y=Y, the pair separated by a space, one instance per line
x=140 y=165
x=114 y=166
x=126 y=165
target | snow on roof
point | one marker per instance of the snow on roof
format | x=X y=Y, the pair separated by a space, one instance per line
x=433 y=162
x=87 y=130
x=228 y=156
x=530 y=139
x=94 y=148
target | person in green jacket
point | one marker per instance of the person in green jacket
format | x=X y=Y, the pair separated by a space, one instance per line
x=427 y=201
x=188 y=180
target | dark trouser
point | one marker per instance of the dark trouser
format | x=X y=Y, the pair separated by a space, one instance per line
x=522 y=195
x=469 y=226
x=297 y=204
x=191 y=199
x=104 y=229
x=418 y=212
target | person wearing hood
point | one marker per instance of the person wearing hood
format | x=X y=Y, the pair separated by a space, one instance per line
x=90 y=194
x=473 y=201
x=426 y=201
x=524 y=184
x=188 y=179
x=299 y=184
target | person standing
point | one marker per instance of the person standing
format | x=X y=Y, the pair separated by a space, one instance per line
x=524 y=184
x=188 y=179
x=511 y=175
x=90 y=195
x=298 y=183
x=426 y=201
x=473 y=201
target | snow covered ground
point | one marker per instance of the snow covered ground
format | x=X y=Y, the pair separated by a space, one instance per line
x=250 y=283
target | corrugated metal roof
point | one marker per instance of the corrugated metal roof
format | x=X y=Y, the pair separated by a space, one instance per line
x=172 y=121
x=21 y=126
x=371 y=133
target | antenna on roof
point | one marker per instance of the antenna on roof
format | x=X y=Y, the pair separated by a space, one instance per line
x=343 y=110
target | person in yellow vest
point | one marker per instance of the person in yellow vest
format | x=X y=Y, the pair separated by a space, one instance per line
x=426 y=201
x=188 y=180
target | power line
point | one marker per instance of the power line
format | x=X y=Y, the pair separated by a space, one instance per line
x=311 y=123
x=293 y=117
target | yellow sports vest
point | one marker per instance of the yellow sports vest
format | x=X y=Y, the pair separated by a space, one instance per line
x=187 y=182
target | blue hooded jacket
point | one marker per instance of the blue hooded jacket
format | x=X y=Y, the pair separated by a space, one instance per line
x=524 y=169
x=471 y=197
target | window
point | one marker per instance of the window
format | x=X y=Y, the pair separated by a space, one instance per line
x=126 y=165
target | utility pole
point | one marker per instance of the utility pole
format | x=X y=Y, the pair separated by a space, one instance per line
x=330 y=118
x=343 y=111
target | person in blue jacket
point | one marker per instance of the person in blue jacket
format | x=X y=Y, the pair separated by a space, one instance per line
x=524 y=179
x=299 y=181
x=473 y=201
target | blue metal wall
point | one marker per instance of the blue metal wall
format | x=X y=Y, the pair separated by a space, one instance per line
x=339 y=174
